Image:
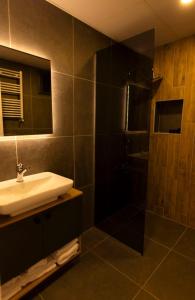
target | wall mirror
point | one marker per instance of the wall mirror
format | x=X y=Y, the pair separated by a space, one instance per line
x=25 y=94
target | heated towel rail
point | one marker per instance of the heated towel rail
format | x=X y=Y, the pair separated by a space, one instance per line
x=11 y=94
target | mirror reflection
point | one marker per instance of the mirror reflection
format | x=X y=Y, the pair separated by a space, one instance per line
x=25 y=93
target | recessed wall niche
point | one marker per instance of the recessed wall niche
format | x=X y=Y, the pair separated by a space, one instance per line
x=25 y=93
x=168 y=116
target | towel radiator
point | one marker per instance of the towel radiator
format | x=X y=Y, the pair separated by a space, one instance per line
x=11 y=94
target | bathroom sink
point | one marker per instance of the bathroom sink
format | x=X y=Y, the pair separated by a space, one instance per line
x=34 y=191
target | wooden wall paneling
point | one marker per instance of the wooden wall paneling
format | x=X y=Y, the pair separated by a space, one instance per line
x=181 y=49
x=171 y=177
x=191 y=220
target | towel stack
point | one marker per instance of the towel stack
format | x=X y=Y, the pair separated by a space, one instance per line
x=64 y=254
x=10 y=288
x=61 y=256
x=38 y=270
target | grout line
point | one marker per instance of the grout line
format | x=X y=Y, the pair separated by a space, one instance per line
x=98 y=243
x=113 y=267
x=80 y=135
x=43 y=136
x=41 y=297
x=167 y=218
x=138 y=293
x=40 y=137
x=94 y=136
x=73 y=112
x=183 y=255
x=81 y=78
x=158 y=243
x=158 y=266
x=16 y=144
x=85 y=186
x=73 y=76
x=9 y=22
x=62 y=73
x=151 y=294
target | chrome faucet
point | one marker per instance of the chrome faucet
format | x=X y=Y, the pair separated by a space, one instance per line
x=20 y=172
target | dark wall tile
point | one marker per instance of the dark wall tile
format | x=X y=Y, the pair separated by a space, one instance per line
x=4 y=23
x=8 y=160
x=42 y=114
x=103 y=66
x=47 y=154
x=103 y=94
x=42 y=29
x=117 y=106
x=88 y=207
x=83 y=160
x=87 y=42
x=83 y=107
x=110 y=109
x=62 y=104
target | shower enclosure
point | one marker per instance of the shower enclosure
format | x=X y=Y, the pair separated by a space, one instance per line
x=123 y=97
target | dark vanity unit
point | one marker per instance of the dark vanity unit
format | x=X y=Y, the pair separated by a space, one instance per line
x=27 y=238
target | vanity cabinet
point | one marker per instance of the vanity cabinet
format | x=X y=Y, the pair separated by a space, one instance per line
x=61 y=225
x=20 y=246
x=27 y=239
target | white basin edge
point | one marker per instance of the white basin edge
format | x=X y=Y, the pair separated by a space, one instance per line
x=27 y=202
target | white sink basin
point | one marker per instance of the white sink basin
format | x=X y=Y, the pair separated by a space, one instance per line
x=34 y=191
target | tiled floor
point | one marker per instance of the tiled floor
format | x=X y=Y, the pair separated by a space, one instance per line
x=109 y=270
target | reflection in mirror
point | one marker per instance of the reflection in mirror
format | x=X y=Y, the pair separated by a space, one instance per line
x=138 y=107
x=25 y=93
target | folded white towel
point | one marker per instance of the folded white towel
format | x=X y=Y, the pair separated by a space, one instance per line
x=30 y=275
x=10 y=288
x=39 y=264
x=63 y=260
x=65 y=248
x=68 y=253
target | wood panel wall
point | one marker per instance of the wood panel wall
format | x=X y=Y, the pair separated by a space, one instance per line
x=171 y=183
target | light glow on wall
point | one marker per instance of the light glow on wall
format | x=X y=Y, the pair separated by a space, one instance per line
x=186 y=2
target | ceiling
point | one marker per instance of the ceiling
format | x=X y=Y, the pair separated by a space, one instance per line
x=123 y=19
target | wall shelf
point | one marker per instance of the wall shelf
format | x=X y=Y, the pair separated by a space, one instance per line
x=168 y=116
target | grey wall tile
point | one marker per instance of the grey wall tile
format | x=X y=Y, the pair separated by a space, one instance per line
x=8 y=160
x=87 y=42
x=83 y=107
x=4 y=24
x=83 y=161
x=62 y=104
x=88 y=207
x=42 y=29
x=42 y=113
x=47 y=154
